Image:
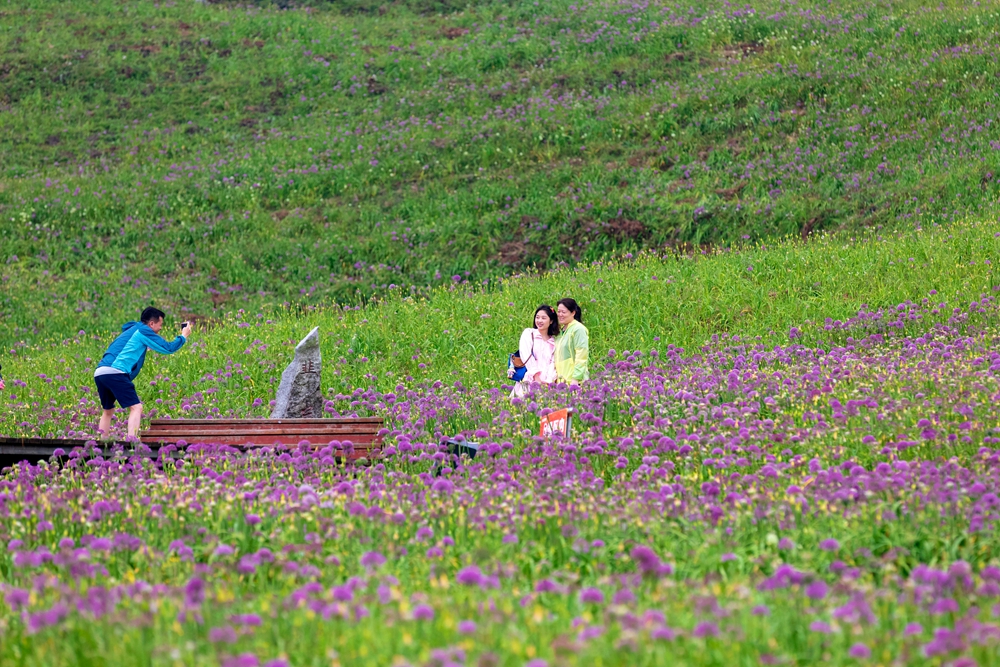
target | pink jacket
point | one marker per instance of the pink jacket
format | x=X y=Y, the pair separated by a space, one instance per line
x=539 y=356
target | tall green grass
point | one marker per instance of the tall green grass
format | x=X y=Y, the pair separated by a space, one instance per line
x=463 y=333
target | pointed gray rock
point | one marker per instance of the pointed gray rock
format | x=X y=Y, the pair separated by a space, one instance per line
x=299 y=394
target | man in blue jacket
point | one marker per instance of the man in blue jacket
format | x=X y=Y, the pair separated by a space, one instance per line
x=122 y=362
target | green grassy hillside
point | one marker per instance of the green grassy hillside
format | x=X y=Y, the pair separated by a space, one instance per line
x=212 y=157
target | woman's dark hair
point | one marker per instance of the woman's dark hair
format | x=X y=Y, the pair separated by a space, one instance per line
x=553 y=320
x=573 y=307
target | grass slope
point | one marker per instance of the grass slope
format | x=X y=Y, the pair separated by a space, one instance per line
x=208 y=157
x=764 y=295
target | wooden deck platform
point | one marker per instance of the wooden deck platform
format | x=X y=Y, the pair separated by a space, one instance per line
x=14 y=450
x=37 y=447
x=361 y=433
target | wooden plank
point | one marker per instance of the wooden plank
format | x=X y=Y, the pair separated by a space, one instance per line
x=48 y=450
x=259 y=439
x=329 y=420
x=65 y=443
x=253 y=428
x=13 y=450
x=290 y=433
x=240 y=439
x=263 y=424
x=364 y=450
x=28 y=450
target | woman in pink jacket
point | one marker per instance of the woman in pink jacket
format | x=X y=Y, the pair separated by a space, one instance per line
x=537 y=350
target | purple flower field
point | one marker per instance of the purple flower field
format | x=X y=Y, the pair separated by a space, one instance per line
x=734 y=504
x=815 y=484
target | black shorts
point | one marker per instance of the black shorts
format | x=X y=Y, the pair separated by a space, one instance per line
x=116 y=387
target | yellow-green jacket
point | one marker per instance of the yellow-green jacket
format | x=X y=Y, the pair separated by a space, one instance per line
x=572 y=353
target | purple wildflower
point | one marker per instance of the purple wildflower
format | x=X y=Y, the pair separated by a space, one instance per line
x=423 y=612
x=241 y=660
x=829 y=545
x=222 y=635
x=705 y=629
x=470 y=576
x=860 y=651
x=372 y=559
x=816 y=590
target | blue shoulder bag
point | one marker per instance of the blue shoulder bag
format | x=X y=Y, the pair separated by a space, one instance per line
x=520 y=367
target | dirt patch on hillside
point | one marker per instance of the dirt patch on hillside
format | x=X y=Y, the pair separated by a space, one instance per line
x=733 y=192
x=623 y=229
x=143 y=49
x=741 y=50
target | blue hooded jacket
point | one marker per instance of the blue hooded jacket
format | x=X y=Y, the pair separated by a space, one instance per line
x=127 y=353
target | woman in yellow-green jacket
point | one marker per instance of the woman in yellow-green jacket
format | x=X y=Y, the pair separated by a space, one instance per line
x=572 y=344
